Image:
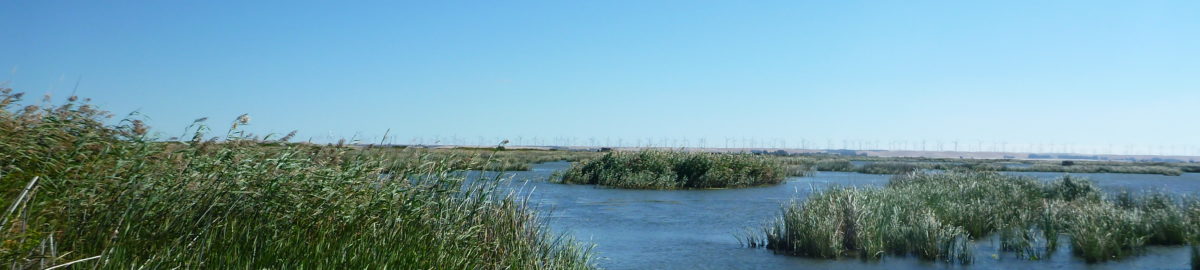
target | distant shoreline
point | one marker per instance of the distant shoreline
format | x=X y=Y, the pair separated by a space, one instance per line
x=867 y=153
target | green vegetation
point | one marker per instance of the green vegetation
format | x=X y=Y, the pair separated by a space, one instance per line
x=500 y=159
x=891 y=167
x=820 y=164
x=79 y=191
x=655 y=169
x=900 y=165
x=936 y=216
x=1195 y=255
x=1132 y=168
x=1194 y=214
x=490 y=159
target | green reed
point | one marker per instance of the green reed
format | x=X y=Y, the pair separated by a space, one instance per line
x=937 y=216
x=108 y=196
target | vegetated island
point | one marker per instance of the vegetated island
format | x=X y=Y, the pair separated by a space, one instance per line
x=659 y=169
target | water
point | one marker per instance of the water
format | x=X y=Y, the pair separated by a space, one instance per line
x=697 y=229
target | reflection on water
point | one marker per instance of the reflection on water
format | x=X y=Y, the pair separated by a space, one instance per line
x=696 y=229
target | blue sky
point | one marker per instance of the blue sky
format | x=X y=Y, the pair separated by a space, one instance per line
x=1098 y=74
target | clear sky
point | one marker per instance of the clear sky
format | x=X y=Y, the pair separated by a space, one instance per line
x=1086 y=73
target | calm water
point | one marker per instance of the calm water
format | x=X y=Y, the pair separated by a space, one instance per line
x=696 y=229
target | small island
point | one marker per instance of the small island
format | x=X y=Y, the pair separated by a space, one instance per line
x=659 y=169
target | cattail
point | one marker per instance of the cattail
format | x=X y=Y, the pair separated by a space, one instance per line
x=73 y=98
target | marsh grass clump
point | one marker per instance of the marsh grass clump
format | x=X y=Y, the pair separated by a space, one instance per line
x=1101 y=231
x=1165 y=219
x=834 y=165
x=655 y=169
x=935 y=216
x=891 y=167
x=860 y=222
x=80 y=191
x=1070 y=188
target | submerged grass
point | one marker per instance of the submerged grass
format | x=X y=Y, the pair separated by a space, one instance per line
x=936 y=216
x=98 y=196
x=655 y=169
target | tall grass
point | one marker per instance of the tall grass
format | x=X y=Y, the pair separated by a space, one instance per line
x=1193 y=214
x=936 y=216
x=1195 y=255
x=655 y=169
x=856 y=222
x=103 y=196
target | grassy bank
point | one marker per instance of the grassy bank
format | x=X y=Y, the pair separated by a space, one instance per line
x=655 y=169
x=1132 y=168
x=79 y=191
x=900 y=165
x=937 y=216
x=489 y=159
x=521 y=160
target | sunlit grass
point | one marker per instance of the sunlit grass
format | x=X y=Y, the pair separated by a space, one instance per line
x=488 y=159
x=936 y=216
x=108 y=197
